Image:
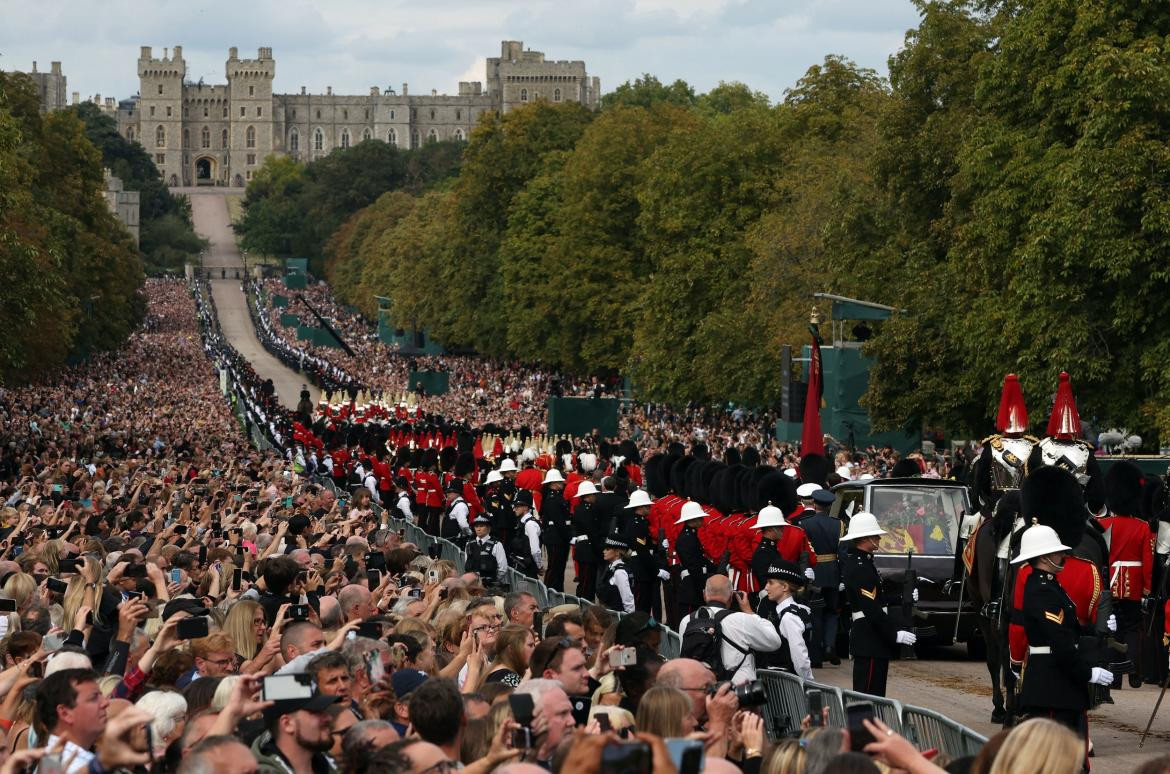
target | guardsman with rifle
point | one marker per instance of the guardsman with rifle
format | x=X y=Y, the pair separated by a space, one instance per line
x=874 y=633
x=1057 y=673
x=1131 y=555
x=824 y=533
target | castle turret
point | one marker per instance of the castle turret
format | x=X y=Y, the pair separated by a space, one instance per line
x=160 y=117
x=250 y=90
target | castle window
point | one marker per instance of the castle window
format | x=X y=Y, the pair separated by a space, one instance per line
x=294 y=141
x=432 y=114
x=205 y=138
x=414 y=137
x=259 y=112
x=432 y=136
x=366 y=134
x=345 y=138
x=250 y=137
x=345 y=115
x=243 y=111
x=205 y=112
x=413 y=114
x=160 y=158
x=392 y=137
x=318 y=140
x=225 y=111
x=160 y=137
x=251 y=91
x=160 y=88
x=459 y=135
x=223 y=139
x=318 y=115
x=251 y=159
x=367 y=114
x=524 y=95
x=130 y=133
x=556 y=95
x=294 y=113
x=391 y=114
x=186 y=138
x=168 y=111
x=458 y=115
x=152 y=111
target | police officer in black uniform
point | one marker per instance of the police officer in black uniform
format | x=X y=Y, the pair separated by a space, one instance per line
x=485 y=555
x=588 y=535
x=615 y=588
x=776 y=605
x=873 y=635
x=696 y=567
x=525 y=545
x=556 y=531
x=824 y=532
x=1056 y=676
x=644 y=558
x=455 y=526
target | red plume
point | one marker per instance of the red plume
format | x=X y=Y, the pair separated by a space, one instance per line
x=1065 y=422
x=1013 y=414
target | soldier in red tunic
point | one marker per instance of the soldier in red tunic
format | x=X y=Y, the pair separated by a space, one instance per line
x=1131 y=555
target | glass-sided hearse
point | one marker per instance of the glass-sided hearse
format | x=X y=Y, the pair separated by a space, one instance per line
x=921 y=515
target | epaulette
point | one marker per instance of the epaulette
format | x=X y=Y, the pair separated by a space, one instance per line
x=990 y=438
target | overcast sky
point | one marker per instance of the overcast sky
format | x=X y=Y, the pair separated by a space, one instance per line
x=353 y=44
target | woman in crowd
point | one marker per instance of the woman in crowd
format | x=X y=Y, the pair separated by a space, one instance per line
x=514 y=646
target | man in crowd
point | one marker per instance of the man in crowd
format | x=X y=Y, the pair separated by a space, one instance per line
x=297 y=736
x=73 y=709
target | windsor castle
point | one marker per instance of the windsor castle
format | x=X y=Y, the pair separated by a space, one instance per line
x=220 y=134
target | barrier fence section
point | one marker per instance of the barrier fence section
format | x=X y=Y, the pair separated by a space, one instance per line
x=787 y=704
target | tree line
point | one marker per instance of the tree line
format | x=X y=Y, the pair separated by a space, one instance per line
x=1005 y=185
x=70 y=273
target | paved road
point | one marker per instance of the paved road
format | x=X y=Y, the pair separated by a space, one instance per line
x=961 y=689
x=209 y=211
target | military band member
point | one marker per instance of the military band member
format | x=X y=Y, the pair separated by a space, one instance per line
x=873 y=635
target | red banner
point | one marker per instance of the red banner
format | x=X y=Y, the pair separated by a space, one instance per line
x=812 y=440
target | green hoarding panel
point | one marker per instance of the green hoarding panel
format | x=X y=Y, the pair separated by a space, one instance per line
x=294 y=281
x=581 y=416
x=296 y=264
x=280 y=301
x=290 y=320
x=433 y=382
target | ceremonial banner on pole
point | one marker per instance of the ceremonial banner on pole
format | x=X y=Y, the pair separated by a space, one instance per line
x=812 y=440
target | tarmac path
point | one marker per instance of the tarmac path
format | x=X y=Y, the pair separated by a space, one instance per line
x=210 y=215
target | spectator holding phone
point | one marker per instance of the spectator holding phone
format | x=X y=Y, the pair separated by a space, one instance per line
x=215 y=656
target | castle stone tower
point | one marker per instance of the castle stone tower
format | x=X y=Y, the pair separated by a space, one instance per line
x=161 y=110
x=250 y=113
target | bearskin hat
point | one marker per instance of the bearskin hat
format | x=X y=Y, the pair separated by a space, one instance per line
x=1052 y=496
x=700 y=451
x=430 y=457
x=815 y=469
x=674 y=447
x=465 y=465
x=629 y=450
x=710 y=470
x=563 y=447
x=1123 y=488
x=694 y=481
x=465 y=442
x=751 y=484
x=656 y=479
x=722 y=497
x=777 y=489
x=1155 y=502
x=448 y=456
x=751 y=456
x=604 y=450
x=905 y=468
x=678 y=475
x=731 y=456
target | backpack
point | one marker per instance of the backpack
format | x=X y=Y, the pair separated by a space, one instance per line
x=701 y=641
x=805 y=616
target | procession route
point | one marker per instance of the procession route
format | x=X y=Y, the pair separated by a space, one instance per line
x=210 y=215
x=945 y=681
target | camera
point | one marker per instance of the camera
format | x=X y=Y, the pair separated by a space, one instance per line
x=749 y=694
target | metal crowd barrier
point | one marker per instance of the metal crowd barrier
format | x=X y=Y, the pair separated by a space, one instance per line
x=787 y=705
x=927 y=728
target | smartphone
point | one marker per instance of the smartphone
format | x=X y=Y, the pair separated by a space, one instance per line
x=373 y=579
x=176 y=575
x=241 y=550
x=181 y=529
x=237 y=578
x=192 y=628
x=687 y=755
x=626 y=757
x=376 y=560
x=371 y=629
x=581 y=707
x=298 y=613
x=56 y=489
x=538 y=623
x=288 y=502
x=7 y=605
x=50 y=764
x=375 y=669
x=89 y=618
x=281 y=687
x=57 y=585
x=134 y=595
x=622 y=658
x=859 y=735
x=415 y=593
x=432 y=576
x=67 y=565
x=522 y=711
x=815 y=701
x=603 y=722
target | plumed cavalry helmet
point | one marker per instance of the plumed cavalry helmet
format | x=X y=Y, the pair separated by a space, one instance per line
x=1013 y=414
x=1065 y=422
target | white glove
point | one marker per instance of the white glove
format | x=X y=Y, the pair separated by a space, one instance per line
x=906 y=638
x=840 y=587
x=1111 y=623
x=808 y=573
x=665 y=544
x=914 y=594
x=1101 y=676
x=664 y=575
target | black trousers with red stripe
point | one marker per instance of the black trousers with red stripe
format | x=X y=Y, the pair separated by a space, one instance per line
x=869 y=675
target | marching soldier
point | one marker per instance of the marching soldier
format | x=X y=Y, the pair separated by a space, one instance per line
x=783 y=540
x=1131 y=555
x=498 y=507
x=874 y=635
x=587 y=538
x=1056 y=675
x=696 y=567
x=643 y=556
x=824 y=532
x=556 y=529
